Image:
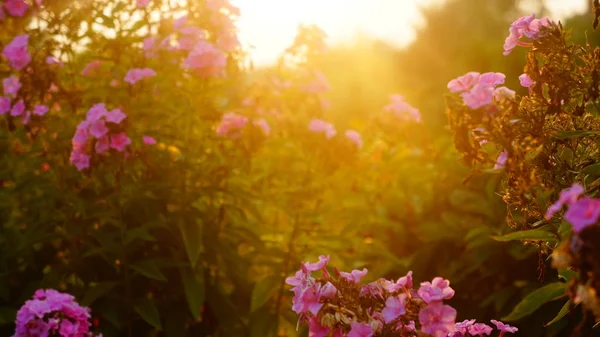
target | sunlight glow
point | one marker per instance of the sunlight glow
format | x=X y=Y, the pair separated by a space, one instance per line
x=270 y=25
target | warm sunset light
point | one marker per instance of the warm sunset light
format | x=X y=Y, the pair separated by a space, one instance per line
x=270 y=25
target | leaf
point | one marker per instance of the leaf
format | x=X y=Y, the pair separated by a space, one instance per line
x=575 y=134
x=149 y=269
x=137 y=233
x=540 y=234
x=536 y=299
x=566 y=274
x=562 y=313
x=191 y=234
x=263 y=290
x=147 y=310
x=193 y=285
x=95 y=292
x=593 y=169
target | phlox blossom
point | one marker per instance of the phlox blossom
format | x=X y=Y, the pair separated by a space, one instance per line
x=4 y=105
x=479 y=329
x=119 y=141
x=566 y=197
x=205 y=60
x=91 y=68
x=355 y=138
x=16 y=7
x=583 y=213
x=360 y=330
x=316 y=329
x=504 y=327
x=320 y=126
x=526 y=81
x=142 y=3
x=136 y=74
x=526 y=26
x=501 y=161
x=40 y=110
x=231 y=122
x=436 y=290
x=437 y=319
x=355 y=275
x=464 y=83
x=394 y=307
x=18 y=109
x=148 y=140
x=16 y=52
x=115 y=116
x=402 y=109
x=262 y=124
x=11 y=86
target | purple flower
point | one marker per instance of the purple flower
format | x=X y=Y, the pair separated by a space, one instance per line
x=501 y=161
x=323 y=261
x=504 y=327
x=583 y=213
x=360 y=330
x=355 y=275
x=437 y=319
x=479 y=329
x=438 y=290
x=394 y=307
x=115 y=116
x=566 y=197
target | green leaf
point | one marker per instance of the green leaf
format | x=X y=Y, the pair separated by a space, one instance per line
x=593 y=169
x=566 y=274
x=137 y=233
x=536 y=299
x=540 y=234
x=193 y=285
x=147 y=310
x=562 y=313
x=149 y=269
x=263 y=290
x=96 y=291
x=191 y=234
x=575 y=134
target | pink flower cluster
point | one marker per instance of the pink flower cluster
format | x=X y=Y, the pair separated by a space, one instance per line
x=16 y=52
x=15 y=8
x=11 y=86
x=479 y=90
x=321 y=126
x=402 y=109
x=232 y=124
x=103 y=128
x=526 y=26
x=51 y=313
x=582 y=212
x=136 y=74
x=328 y=305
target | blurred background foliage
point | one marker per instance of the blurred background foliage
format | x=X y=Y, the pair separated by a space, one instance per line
x=196 y=237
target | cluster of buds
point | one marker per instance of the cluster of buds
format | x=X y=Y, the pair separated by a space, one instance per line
x=339 y=305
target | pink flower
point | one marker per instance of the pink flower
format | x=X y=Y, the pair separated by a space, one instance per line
x=142 y=3
x=360 y=330
x=231 y=122
x=80 y=160
x=502 y=93
x=119 y=141
x=394 y=307
x=464 y=83
x=115 y=116
x=205 y=59
x=320 y=126
x=479 y=96
x=96 y=112
x=98 y=128
x=16 y=7
x=355 y=138
x=504 y=327
x=439 y=289
x=91 y=68
x=323 y=261
x=102 y=144
x=16 y=52
x=148 y=140
x=501 y=161
x=80 y=138
x=527 y=26
x=180 y=22
x=11 y=86
x=583 y=213
x=40 y=110
x=137 y=74
x=479 y=329
x=18 y=109
x=4 y=105
x=566 y=197
x=315 y=329
x=402 y=109
x=492 y=79
x=437 y=319
x=460 y=329
x=52 y=60
x=405 y=282
x=526 y=81
x=354 y=276
x=319 y=85
x=263 y=125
